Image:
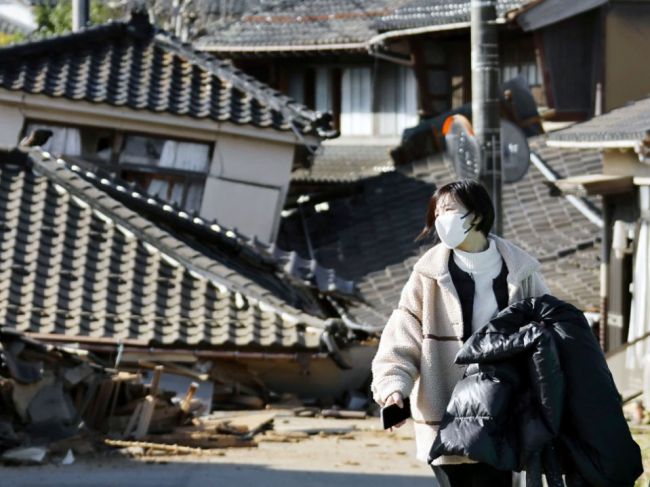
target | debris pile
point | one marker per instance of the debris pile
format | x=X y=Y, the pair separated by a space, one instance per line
x=202 y=436
x=57 y=400
x=211 y=434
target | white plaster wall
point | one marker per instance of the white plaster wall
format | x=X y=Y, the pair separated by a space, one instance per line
x=247 y=184
x=257 y=161
x=11 y=123
x=248 y=177
x=250 y=209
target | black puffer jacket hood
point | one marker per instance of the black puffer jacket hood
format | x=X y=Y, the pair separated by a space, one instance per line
x=538 y=395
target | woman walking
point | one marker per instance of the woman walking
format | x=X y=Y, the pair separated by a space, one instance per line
x=455 y=288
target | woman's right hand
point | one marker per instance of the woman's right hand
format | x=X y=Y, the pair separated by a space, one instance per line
x=395 y=398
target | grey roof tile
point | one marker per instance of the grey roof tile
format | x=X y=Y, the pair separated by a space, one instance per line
x=346 y=163
x=298 y=23
x=288 y=25
x=625 y=126
x=91 y=279
x=421 y=13
x=133 y=64
x=209 y=245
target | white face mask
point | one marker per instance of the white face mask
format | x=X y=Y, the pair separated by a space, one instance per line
x=450 y=229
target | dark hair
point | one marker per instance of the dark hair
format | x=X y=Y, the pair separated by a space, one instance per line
x=472 y=195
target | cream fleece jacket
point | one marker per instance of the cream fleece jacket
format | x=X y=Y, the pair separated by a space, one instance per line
x=417 y=347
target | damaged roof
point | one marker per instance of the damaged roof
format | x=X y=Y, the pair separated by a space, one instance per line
x=136 y=65
x=285 y=272
x=77 y=262
x=622 y=127
x=369 y=236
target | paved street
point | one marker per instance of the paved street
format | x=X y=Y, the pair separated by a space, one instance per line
x=190 y=474
x=367 y=457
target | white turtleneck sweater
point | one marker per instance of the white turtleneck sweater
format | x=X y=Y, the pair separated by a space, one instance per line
x=483 y=267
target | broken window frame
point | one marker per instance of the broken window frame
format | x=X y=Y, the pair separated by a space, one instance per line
x=137 y=172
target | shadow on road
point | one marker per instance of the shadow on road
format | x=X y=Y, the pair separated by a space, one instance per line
x=180 y=474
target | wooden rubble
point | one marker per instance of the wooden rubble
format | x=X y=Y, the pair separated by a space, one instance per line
x=118 y=407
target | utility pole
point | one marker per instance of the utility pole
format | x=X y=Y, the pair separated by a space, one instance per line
x=80 y=14
x=485 y=101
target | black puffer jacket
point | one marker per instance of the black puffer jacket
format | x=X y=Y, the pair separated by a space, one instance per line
x=537 y=395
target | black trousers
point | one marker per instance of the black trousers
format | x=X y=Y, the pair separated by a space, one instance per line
x=474 y=475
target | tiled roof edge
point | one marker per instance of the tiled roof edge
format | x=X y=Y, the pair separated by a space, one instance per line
x=598 y=136
x=302 y=120
x=309 y=121
x=289 y=263
x=41 y=163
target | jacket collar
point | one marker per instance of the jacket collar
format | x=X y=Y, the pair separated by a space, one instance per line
x=434 y=262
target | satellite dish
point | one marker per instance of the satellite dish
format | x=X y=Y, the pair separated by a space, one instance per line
x=462 y=148
x=464 y=152
x=515 y=153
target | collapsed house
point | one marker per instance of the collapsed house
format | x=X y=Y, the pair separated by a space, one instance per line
x=83 y=264
x=181 y=212
x=54 y=399
x=145 y=228
x=59 y=402
x=139 y=104
x=364 y=227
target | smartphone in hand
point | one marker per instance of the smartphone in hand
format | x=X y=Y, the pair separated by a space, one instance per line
x=393 y=414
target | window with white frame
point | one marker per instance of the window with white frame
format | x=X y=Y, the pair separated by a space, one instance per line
x=365 y=100
x=296 y=86
x=519 y=57
x=324 y=89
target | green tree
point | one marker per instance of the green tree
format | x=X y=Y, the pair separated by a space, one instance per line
x=57 y=19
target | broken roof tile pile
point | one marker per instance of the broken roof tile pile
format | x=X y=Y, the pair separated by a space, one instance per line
x=421 y=13
x=283 y=25
x=369 y=236
x=346 y=163
x=622 y=127
x=39 y=383
x=75 y=261
x=133 y=64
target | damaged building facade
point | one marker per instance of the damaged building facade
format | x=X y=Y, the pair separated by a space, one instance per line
x=143 y=229
x=189 y=212
x=181 y=125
